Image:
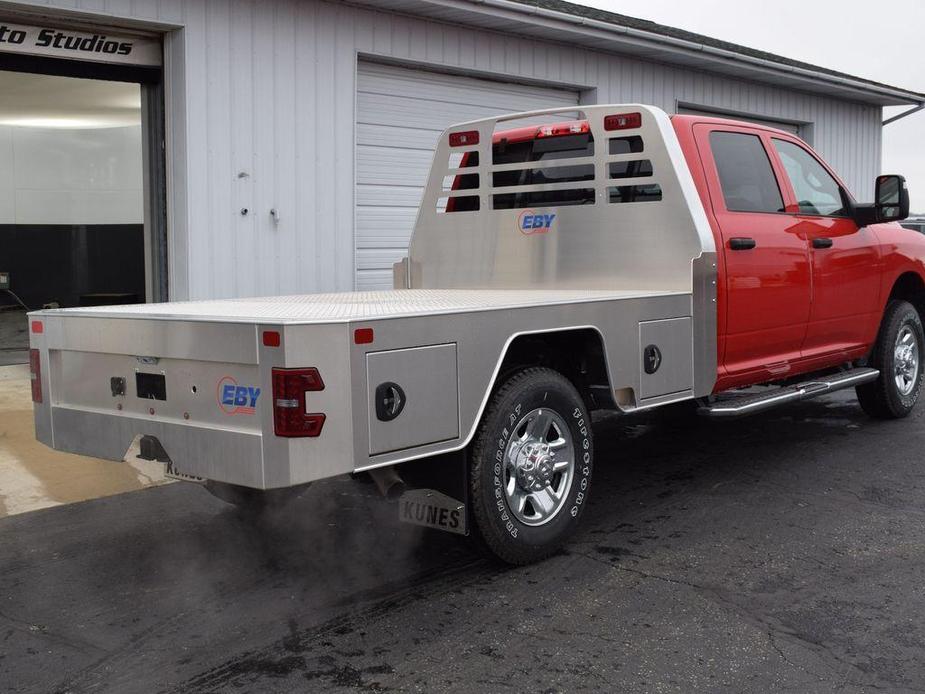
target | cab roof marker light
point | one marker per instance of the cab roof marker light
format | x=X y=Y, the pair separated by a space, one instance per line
x=573 y=128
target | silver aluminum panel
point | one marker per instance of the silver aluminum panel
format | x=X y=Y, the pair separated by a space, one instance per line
x=214 y=454
x=675 y=368
x=427 y=376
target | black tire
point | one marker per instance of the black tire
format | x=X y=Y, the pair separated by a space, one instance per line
x=253 y=502
x=497 y=528
x=883 y=398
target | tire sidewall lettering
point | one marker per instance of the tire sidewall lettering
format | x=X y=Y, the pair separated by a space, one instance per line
x=578 y=491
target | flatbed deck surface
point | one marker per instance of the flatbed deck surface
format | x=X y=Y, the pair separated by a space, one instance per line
x=351 y=306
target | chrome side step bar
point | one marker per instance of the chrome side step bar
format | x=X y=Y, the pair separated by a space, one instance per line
x=759 y=402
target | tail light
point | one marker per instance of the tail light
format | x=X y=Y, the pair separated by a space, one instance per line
x=290 y=411
x=469 y=137
x=623 y=121
x=35 y=368
x=577 y=127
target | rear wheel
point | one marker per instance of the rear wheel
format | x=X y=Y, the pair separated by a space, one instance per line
x=531 y=466
x=897 y=354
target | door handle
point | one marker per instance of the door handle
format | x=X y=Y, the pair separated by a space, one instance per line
x=822 y=242
x=741 y=243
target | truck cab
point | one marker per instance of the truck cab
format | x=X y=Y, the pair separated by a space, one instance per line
x=804 y=281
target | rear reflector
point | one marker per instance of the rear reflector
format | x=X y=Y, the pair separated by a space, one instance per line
x=469 y=137
x=270 y=338
x=37 y=327
x=290 y=412
x=35 y=369
x=623 y=121
x=363 y=336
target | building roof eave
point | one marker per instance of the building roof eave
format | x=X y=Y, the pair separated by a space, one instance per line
x=567 y=22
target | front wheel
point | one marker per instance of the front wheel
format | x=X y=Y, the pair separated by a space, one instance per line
x=897 y=354
x=531 y=466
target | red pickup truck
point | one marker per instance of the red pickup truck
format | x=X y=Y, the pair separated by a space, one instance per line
x=617 y=260
x=810 y=279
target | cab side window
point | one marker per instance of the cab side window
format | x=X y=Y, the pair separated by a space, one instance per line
x=817 y=192
x=745 y=173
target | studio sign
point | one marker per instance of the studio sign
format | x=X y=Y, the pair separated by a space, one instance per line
x=96 y=46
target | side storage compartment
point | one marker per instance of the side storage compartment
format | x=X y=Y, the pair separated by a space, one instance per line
x=666 y=347
x=413 y=397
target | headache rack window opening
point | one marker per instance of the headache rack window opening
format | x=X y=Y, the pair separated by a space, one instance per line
x=631 y=144
x=630 y=168
x=623 y=194
x=543 y=171
x=545 y=176
x=543 y=149
x=545 y=198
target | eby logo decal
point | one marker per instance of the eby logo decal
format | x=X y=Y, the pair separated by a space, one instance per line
x=235 y=399
x=529 y=222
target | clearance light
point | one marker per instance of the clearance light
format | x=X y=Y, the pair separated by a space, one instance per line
x=37 y=327
x=574 y=128
x=623 y=121
x=290 y=418
x=270 y=338
x=35 y=372
x=363 y=336
x=469 y=137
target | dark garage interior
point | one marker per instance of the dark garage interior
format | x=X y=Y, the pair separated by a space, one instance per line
x=71 y=197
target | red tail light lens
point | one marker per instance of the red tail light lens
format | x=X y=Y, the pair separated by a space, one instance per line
x=623 y=121
x=35 y=367
x=290 y=412
x=469 y=137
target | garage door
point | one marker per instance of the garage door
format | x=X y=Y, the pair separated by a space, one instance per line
x=400 y=114
x=780 y=125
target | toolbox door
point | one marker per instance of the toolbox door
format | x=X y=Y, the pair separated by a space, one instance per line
x=413 y=397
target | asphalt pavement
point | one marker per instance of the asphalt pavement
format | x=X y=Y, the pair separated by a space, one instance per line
x=784 y=552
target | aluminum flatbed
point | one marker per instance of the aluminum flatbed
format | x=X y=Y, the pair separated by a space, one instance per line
x=611 y=295
x=355 y=306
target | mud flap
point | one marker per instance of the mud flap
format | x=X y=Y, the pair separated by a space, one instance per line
x=150 y=448
x=438 y=493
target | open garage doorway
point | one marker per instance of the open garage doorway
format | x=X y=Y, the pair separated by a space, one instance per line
x=81 y=193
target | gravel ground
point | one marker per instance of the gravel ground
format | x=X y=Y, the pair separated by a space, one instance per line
x=783 y=552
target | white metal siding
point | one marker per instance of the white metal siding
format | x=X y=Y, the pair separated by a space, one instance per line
x=267 y=88
x=400 y=113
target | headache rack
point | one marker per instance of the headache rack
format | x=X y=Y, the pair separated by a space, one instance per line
x=613 y=174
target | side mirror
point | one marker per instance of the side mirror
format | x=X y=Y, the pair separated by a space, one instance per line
x=892 y=198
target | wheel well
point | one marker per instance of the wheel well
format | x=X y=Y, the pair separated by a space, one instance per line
x=910 y=287
x=576 y=354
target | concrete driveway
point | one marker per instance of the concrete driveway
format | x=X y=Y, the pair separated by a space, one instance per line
x=770 y=554
x=33 y=476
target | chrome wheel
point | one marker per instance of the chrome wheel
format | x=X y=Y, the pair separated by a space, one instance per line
x=539 y=467
x=906 y=360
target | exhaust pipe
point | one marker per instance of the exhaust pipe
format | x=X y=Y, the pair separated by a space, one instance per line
x=390 y=485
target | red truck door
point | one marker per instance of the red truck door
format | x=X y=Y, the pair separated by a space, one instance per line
x=845 y=259
x=767 y=292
